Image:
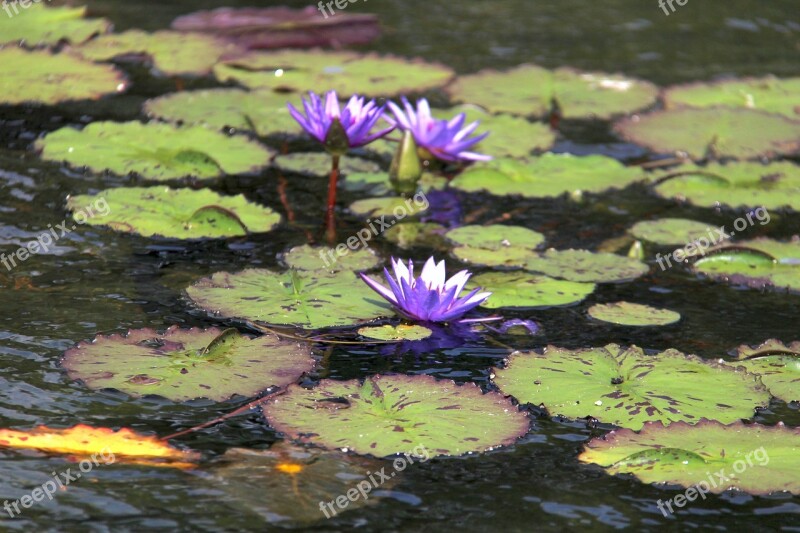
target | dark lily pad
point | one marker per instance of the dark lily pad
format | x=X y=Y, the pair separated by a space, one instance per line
x=709 y=456
x=39 y=24
x=770 y=94
x=319 y=164
x=627 y=388
x=154 y=151
x=386 y=415
x=547 y=176
x=309 y=300
x=586 y=266
x=28 y=77
x=311 y=258
x=777 y=364
x=742 y=184
x=173 y=213
x=631 y=314
x=671 y=231
x=183 y=364
x=494 y=245
x=172 y=53
x=714 y=133
x=403 y=332
x=520 y=289
x=530 y=90
x=262 y=112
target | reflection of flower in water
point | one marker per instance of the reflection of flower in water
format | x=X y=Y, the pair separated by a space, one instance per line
x=445 y=208
x=443 y=338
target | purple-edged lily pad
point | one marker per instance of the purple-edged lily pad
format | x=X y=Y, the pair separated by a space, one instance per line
x=777 y=363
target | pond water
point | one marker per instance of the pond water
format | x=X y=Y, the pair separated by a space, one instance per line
x=99 y=281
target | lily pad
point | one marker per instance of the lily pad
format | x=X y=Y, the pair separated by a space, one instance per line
x=154 y=151
x=46 y=78
x=530 y=90
x=411 y=234
x=777 y=364
x=770 y=94
x=390 y=206
x=631 y=314
x=627 y=388
x=710 y=456
x=714 y=133
x=39 y=25
x=671 y=231
x=309 y=300
x=520 y=289
x=741 y=184
x=586 y=266
x=403 y=332
x=183 y=364
x=172 y=53
x=494 y=245
x=311 y=258
x=344 y=72
x=547 y=176
x=174 y=213
x=319 y=164
x=387 y=415
x=262 y=112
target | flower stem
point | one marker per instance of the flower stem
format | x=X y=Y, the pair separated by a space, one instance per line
x=330 y=215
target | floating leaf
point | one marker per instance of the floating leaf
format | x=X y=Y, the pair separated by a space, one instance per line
x=172 y=53
x=184 y=364
x=671 y=231
x=389 y=206
x=547 y=176
x=627 y=388
x=308 y=300
x=520 y=289
x=583 y=265
x=777 y=364
x=742 y=184
x=770 y=94
x=403 y=332
x=42 y=77
x=714 y=133
x=154 y=151
x=709 y=456
x=631 y=314
x=319 y=164
x=344 y=72
x=174 y=213
x=263 y=112
x=411 y=234
x=37 y=24
x=530 y=90
x=494 y=245
x=386 y=415
x=105 y=444
x=311 y=258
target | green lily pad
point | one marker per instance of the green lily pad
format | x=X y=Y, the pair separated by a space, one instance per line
x=184 y=364
x=631 y=314
x=759 y=263
x=386 y=415
x=529 y=90
x=262 y=112
x=520 y=289
x=311 y=258
x=173 y=213
x=714 y=133
x=708 y=456
x=46 y=78
x=39 y=25
x=378 y=183
x=627 y=388
x=319 y=164
x=344 y=72
x=411 y=234
x=586 y=266
x=154 y=151
x=171 y=52
x=777 y=364
x=390 y=206
x=403 y=332
x=741 y=184
x=671 y=231
x=494 y=245
x=309 y=300
x=547 y=176
x=770 y=94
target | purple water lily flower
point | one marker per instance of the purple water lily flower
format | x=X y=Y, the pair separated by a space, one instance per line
x=430 y=297
x=357 y=118
x=445 y=139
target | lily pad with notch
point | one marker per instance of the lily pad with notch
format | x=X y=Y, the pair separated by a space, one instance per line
x=777 y=364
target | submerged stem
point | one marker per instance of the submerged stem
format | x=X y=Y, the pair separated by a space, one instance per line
x=330 y=215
